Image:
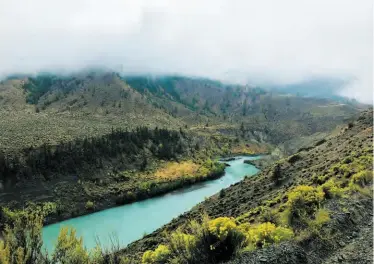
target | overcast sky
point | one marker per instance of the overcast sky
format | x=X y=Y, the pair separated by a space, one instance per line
x=263 y=41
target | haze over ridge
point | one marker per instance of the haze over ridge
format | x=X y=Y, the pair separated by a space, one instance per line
x=239 y=41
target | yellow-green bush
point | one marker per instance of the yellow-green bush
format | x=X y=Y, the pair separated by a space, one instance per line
x=360 y=182
x=321 y=217
x=182 y=246
x=244 y=228
x=69 y=248
x=205 y=242
x=304 y=199
x=362 y=178
x=320 y=179
x=221 y=226
x=284 y=217
x=22 y=242
x=159 y=255
x=261 y=235
x=332 y=189
x=306 y=195
x=90 y=205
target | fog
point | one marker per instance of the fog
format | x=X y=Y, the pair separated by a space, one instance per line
x=231 y=40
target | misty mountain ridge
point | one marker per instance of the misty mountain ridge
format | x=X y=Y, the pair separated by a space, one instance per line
x=318 y=87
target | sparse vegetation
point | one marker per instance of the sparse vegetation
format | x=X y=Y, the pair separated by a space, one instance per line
x=103 y=137
x=90 y=205
x=310 y=207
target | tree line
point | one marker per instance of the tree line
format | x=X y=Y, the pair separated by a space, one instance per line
x=70 y=157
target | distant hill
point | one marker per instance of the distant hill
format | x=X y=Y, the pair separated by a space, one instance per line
x=316 y=87
x=53 y=108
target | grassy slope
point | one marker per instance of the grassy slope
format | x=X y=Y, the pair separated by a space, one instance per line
x=91 y=109
x=91 y=104
x=350 y=217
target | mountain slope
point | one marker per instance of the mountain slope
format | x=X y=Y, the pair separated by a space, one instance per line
x=51 y=108
x=44 y=118
x=339 y=167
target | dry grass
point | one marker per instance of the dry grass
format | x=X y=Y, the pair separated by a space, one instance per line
x=174 y=170
x=248 y=149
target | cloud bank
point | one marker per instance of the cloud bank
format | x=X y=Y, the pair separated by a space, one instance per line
x=235 y=40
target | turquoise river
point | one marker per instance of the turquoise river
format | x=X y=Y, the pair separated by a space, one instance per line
x=130 y=222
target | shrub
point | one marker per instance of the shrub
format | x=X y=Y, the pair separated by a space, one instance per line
x=342 y=169
x=332 y=189
x=23 y=240
x=360 y=182
x=265 y=234
x=244 y=228
x=214 y=241
x=276 y=174
x=284 y=217
x=320 y=179
x=303 y=200
x=294 y=158
x=221 y=226
x=159 y=256
x=90 y=205
x=304 y=196
x=69 y=248
x=22 y=235
x=362 y=178
x=182 y=246
x=321 y=217
x=207 y=242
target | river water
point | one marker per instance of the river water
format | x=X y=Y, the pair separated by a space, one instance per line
x=130 y=222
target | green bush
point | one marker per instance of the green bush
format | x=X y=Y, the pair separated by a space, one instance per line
x=183 y=247
x=321 y=217
x=261 y=235
x=217 y=240
x=332 y=189
x=303 y=201
x=221 y=227
x=294 y=158
x=320 y=179
x=90 y=205
x=23 y=241
x=276 y=174
x=159 y=256
x=362 y=178
x=361 y=182
x=211 y=241
x=69 y=248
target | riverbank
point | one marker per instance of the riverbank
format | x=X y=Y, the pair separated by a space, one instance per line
x=147 y=190
x=132 y=221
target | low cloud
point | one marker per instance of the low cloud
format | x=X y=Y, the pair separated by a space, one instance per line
x=241 y=40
